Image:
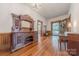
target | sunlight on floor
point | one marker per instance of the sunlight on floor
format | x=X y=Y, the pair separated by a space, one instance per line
x=55 y=42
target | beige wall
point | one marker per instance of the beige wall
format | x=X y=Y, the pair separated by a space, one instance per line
x=74 y=11
x=6 y=18
x=55 y=19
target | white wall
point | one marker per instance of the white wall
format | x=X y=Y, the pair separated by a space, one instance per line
x=55 y=19
x=74 y=11
x=6 y=19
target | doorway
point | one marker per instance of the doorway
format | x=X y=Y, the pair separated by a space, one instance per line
x=39 y=29
x=55 y=28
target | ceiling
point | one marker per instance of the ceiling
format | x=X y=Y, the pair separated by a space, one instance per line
x=50 y=10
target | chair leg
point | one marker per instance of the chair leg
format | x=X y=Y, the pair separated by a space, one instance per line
x=60 y=45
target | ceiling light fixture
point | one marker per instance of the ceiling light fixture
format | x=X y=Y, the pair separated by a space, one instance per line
x=36 y=6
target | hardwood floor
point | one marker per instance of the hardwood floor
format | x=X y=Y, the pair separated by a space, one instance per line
x=44 y=47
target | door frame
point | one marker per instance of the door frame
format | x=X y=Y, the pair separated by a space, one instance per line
x=41 y=26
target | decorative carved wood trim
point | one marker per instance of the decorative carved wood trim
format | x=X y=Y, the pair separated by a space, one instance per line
x=26 y=18
x=16 y=23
